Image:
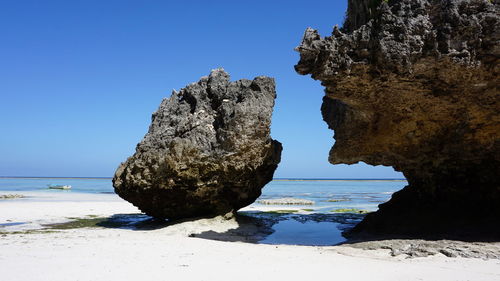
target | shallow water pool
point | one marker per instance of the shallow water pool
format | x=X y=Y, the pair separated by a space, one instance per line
x=309 y=233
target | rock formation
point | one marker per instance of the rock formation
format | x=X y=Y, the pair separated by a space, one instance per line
x=207 y=151
x=413 y=84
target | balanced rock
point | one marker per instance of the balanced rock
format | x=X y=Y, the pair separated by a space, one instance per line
x=208 y=150
x=414 y=84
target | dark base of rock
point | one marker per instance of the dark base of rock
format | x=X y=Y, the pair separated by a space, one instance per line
x=207 y=201
x=444 y=213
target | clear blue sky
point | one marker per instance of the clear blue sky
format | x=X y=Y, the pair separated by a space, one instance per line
x=80 y=79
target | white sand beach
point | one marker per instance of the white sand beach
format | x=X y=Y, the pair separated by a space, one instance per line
x=168 y=253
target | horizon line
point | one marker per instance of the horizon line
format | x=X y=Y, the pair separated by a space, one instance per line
x=277 y=179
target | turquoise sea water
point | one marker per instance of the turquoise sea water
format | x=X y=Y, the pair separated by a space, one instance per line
x=85 y=185
x=364 y=194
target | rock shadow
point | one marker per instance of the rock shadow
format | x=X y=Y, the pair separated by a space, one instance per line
x=121 y=221
x=251 y=229
x=140 y=222
x=133 y=222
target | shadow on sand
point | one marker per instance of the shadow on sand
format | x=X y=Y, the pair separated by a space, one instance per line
x=251 y=227
x=314 y=229
x=287 y=228
x=121 y=221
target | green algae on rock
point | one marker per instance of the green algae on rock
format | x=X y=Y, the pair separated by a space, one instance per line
x=11 y=196
x=350 y=210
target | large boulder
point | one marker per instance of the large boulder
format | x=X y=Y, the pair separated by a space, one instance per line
x=413 y=84
x=208 y=150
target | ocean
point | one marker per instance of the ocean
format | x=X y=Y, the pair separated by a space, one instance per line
x=327 y=194
x=338 y=204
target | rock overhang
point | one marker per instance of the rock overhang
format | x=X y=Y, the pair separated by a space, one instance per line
x=414 y=85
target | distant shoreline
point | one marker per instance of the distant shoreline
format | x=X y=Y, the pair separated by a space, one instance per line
x=276 y=179
x=298 y=179
x=81 y=178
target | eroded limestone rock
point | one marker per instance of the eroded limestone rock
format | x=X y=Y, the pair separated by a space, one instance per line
x=208 y=150
x=413 y=84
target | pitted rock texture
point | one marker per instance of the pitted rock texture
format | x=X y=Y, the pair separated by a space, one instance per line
x=208 y=150
x=413 y=84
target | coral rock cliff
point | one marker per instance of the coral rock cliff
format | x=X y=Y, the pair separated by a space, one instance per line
x=414 y=84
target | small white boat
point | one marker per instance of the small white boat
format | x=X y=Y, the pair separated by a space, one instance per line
x=65 y=187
